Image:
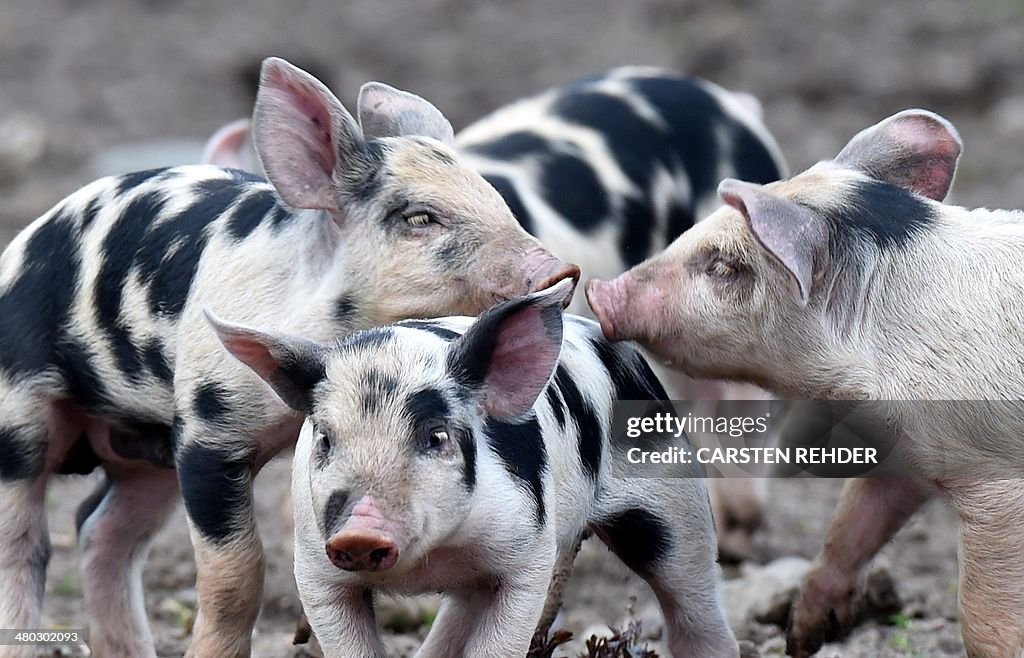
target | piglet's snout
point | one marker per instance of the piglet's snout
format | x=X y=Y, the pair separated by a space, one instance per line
x=362 y=550
x=605 y=298
x=365 y=542
x=550 y=272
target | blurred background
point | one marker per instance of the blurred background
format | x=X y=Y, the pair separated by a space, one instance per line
x=90 y=87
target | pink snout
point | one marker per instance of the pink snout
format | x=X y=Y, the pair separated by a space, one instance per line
x=606 y=299
x=365 y=542
x=549 y=270
x=362 y=549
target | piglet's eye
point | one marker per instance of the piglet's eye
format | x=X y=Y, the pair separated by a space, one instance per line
x=723 y=267
x=419 y=219
x=437 y=438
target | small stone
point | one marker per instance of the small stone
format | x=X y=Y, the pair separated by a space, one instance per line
x=764 y=594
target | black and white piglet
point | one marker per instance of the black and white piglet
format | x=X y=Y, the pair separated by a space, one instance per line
x=467 y=456
x=106 y=361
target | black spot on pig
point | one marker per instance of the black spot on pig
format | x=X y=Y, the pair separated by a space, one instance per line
x=216 y=488
x=467 y=445
x=210 y=403
x=370 y=339
x=456 y=251
x=590 y=442
x=754 y=163
x=426 y=408
x=156 y=360
x=513 y=146
x=81 y=378
x=636 y=236
x=91 y=503
x=119 y=251
x=20 y=457
x=633 y=378
x=280 y=216
x=431 y=327
x=336 y=512
x=89 y=213
x=250 y=213
x=632 y=139
x=572 y=188
x=692 y=116
x=375 y=388
x=640 y=538
x=521 y=449
x=344 y=308
x=512 y=199
x=169 y=255
x=556 y=405
x=886 y=215
x=35 y=306
x=680 y=218
x=130 y=181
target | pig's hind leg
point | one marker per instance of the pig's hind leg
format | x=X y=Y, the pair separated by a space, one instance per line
x=662 y=529
x=35 y=433
x=991 y=571
x=115 y=526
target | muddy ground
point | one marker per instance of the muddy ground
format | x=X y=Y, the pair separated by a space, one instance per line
x=85 y=82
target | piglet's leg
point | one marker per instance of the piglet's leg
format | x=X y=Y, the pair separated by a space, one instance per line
x=486 y=622
x=870 y=512
x=115 y=526
x=34 y=436
x=662 y=530
x=342 y=618
x=24 y=553
x=216 y=485
x=991 y=570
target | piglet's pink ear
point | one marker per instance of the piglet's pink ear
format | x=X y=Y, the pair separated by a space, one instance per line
x=791 y=233
x=388 y=112
x=914 y=149
x=231 y=146
x=292 y=366
x=304 y=136
x=511 y=351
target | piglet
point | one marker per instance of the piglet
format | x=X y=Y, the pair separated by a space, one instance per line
x=852 y=280
x=468 y=456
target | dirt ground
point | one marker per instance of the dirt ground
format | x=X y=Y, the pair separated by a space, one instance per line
x=92 y=86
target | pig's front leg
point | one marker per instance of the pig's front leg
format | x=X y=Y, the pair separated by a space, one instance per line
x=342 y=618
x=494 y=622
x=218 y=453
x=991 y=571
x=870 y=512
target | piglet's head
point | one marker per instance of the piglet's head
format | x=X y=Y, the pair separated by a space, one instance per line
x=395 y=422
x=761 y=285
x=419 y=233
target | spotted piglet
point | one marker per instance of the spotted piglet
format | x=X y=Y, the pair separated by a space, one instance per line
x=607 y=171
x=106 y=360
x=466 y=456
